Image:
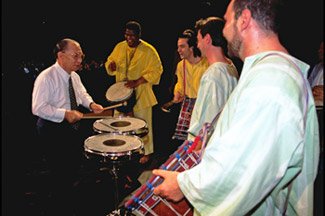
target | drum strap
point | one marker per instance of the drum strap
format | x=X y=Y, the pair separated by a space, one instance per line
x=303 y=78
x=305 y=115
x=208 y=128
x=206 y=131
x=184 y=78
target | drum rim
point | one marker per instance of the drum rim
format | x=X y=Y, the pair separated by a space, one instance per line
x=114 y=154
x=129 y=132
x=121 y=99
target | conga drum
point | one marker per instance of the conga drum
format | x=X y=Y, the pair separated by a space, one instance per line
x=122 y=125
x=118 y=92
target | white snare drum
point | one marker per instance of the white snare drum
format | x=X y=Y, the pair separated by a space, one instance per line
x=122 y=125
x=113 y=148
x=118 y=92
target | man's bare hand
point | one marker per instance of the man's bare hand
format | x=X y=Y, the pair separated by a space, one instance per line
x=72 y=116
x=112 y=66
x=178 y=97
x=135 y=83
x=169 y=189
x=96 y=108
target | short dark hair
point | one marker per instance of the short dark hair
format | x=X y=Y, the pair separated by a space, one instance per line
x=265 y=12
x=61 y=46
x=135 y=26
x=192 y=41
x=212 y=26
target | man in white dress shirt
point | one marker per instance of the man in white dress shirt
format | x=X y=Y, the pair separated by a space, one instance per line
x=63 y=143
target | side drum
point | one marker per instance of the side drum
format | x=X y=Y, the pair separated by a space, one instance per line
x=113 y=148
x=122 y=125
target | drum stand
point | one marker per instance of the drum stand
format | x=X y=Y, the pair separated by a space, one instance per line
x=113 y=170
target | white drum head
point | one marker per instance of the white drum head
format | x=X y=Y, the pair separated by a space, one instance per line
x=112 y=144
x=118 y=92
x=121 y=124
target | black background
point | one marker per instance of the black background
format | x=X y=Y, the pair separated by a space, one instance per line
x=30 y=30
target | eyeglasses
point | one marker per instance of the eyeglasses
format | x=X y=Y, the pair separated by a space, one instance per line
x=76 y=55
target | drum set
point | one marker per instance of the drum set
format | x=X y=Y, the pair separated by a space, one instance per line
x=117 y=140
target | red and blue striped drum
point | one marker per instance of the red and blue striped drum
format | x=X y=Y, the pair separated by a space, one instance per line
x=144 y=202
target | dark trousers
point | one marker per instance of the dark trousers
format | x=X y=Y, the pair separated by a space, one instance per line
x=63 y=148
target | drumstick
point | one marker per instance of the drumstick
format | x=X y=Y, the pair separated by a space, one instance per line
x=116 y=105
x=102 y=115
x=95 y=117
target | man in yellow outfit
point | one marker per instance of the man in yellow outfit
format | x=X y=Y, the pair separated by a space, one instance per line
x=137 y=62
x=189 y=73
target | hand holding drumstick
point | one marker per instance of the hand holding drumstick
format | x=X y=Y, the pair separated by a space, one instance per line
x=103 y=115
x=97 y=108
x=73 y=116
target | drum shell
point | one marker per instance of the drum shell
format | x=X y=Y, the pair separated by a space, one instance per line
x=114 y=156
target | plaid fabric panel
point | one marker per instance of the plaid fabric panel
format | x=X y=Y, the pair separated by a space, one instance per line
x=184 y=119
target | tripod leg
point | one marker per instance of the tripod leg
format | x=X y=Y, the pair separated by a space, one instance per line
x=114 y=172
x=117 y=212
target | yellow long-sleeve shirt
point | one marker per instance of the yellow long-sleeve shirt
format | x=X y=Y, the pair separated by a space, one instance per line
x=193 y=75
x=142 y=61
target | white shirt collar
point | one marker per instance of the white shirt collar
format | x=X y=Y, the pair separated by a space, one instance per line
x=61 y=71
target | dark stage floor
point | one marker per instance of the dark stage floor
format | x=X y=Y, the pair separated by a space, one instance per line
x=25 y=170
x=95 y=191
x=25 y=173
